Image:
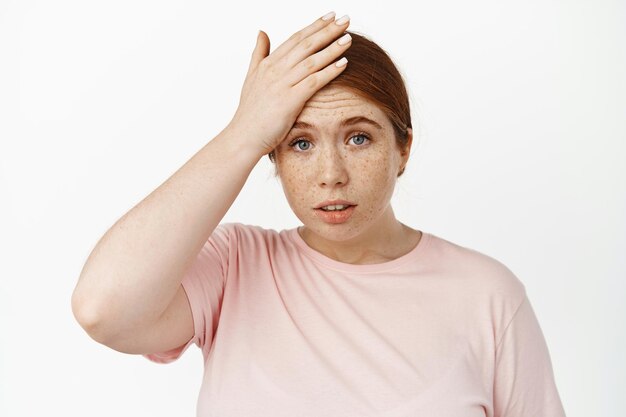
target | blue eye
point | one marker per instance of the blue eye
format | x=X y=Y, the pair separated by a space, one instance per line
x=300 y=141
x=361 y=135
x=365 y=137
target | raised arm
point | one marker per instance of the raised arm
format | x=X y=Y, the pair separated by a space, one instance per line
x=134 y=273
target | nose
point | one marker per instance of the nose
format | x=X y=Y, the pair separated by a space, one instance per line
x=332 y=168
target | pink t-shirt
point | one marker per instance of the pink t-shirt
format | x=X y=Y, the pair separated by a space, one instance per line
x=442 y=331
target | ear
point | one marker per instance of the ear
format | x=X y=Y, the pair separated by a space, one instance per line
x=407 y=149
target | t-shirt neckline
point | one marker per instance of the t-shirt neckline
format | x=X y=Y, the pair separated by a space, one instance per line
x=413 y=255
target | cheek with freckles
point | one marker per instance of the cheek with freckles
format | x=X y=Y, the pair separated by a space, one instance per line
x=294 y=182
x=371 y=181
x=376 y=180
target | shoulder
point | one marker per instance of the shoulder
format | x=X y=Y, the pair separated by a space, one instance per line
x=477 y=271
x=248 y=234
x=244 y=229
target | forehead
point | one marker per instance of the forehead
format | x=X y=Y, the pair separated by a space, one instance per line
x=329 y=107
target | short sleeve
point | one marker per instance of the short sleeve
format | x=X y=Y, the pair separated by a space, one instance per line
x=204 y=286
x=524 y=383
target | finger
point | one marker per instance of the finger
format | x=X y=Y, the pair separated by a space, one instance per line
x=304 y=33
x=317 y=41
x=261 y=50
x=319 y=60
x=314 y=82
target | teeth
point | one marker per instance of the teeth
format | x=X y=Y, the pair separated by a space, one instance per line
x=332 y=208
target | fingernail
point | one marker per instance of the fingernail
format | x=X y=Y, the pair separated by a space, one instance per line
x=328 y=16
x=343 y=20
x=341 y=62
x=344 y=39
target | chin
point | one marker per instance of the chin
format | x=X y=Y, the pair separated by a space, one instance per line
x=338 y=233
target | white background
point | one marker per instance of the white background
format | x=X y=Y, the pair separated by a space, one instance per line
x=520 y=114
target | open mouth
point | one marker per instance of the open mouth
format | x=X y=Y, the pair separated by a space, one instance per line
x=344 y=207
x=335 y=216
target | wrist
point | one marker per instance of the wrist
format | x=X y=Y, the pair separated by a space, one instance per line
x=237 y=138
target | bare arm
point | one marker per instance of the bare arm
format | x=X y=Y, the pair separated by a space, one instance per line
x=133 y=273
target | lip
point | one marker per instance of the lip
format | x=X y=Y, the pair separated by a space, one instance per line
x=335 y=217
x=334 y=203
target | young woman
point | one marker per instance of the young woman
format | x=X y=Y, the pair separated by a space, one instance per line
x=351 y=314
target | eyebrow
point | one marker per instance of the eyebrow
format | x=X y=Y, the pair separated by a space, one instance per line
x=346 y=122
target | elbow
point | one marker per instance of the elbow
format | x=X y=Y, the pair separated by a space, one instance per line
x=87 y=318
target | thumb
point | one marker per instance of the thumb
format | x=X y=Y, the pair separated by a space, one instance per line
x=261 y=50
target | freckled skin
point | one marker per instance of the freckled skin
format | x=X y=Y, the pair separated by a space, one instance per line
x=335 y=163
